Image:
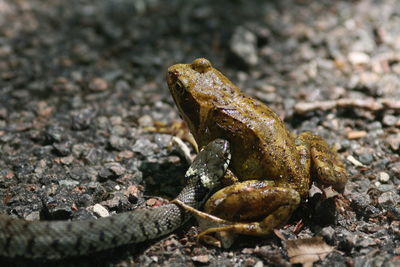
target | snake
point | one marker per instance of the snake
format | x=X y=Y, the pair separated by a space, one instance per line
x=54 y=240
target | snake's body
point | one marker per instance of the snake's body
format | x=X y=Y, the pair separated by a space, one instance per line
x=59 y=239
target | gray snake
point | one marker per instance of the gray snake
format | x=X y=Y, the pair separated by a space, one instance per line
x=60 y=239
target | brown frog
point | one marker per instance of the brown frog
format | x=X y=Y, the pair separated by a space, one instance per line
x=272 y=166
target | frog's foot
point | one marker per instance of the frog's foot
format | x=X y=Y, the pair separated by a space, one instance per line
x=326 y=165
x=208 y=221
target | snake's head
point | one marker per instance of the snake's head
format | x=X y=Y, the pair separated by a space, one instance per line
x=211 y=163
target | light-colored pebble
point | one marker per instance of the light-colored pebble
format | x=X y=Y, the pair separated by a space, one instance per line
x=100 y=211
x=384 y=177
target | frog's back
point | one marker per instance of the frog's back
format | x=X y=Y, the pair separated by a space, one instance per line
x=264 y=148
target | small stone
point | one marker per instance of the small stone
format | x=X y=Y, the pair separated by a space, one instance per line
x=82 y=119
x=357 y=58
x=144 y=147
x=118 y=202
x=54 y=133
x=105 y=174
x=117 y=142
x=62 y=149
x=386 y=199
x=365 y=158
x=356 y=134
x=115 y=120
x=33 y=216
x=201 y=258
x=100 y=211
x=394 y=141
x=243 y=46
x=354 y=161
x=390 y=120
x=365 y=242
x=98 y=84
x=116 y=168
x=67 y=160
x=3 y=113
x=84 y=200
x=102 y=122
x=118 y=130
x=68 y=183
x=384 y=177
x=126 y=154
x=151 y=202
x=83 y=214
x=327 y=232
x=376 y=125
x=145 y=120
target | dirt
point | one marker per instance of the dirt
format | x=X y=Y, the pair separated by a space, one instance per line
x=83 y=83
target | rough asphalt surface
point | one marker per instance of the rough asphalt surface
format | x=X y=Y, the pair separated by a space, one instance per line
x=82 y=89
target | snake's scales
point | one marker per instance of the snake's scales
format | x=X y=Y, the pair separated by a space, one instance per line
x=58 y=239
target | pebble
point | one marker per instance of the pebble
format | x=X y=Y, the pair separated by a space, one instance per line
x=68 y=183
x=386 y=199
x=84 y=200
x=145 y=120
x=384 y=177
x=118 y=143
x=100 y=211
x=33 y=216
x=105 y=174
x=365 y=158
x=116 y=120
x=119 y=200
x=201 y=258
x=54 y=133
x=390 y=120
x=98 y=84
x=394 y=141
x=354 y=161
x=376 y=125
x=357 y=58
x=62 y=149
x=144 y=147
x=327 y=232
x=67 y=160
x=102 y=122
x=82 y=119
x=3 y=113
x=119 y=130
x=243 y=45
x=116 y=168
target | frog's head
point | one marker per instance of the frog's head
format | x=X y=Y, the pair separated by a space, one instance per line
x=198 y=88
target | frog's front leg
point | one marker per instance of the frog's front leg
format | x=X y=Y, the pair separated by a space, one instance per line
x=326 y=166
x=250 y=208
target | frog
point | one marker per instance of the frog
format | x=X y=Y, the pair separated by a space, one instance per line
x=272 y=170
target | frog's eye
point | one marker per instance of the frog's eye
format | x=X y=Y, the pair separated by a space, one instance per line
x=179 y=87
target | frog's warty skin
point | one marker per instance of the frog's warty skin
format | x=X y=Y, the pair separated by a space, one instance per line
x=59 y=239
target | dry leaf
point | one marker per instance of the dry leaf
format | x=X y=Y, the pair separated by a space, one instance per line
x=307 y=251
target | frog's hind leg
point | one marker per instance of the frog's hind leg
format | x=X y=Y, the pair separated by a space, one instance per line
x=249 y=208
x=326 y=165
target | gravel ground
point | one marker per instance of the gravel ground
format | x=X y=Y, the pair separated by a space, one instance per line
x=83 y=84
